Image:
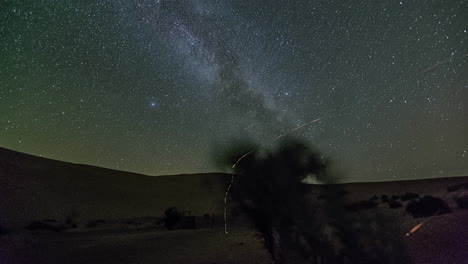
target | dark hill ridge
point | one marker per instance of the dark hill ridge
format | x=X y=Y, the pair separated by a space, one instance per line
x=35 y=188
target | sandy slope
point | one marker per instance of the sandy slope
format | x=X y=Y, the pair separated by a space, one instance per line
x=176 y=247
x=34 y=188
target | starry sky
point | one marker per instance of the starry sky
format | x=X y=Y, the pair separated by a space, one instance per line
x=157 y=87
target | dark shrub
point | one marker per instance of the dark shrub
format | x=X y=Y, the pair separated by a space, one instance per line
x=462 y=201
x=269 y=186
x=384 y=198
x=3 y=231
x=354 y=207
x=368 y=204
x=427 y=206
x=332 y=195
x=71 y=222
x=188 y=222
x=453 y=188
x=457 y=187
x=395 y=197
x=171 y=218
x=134 y=223
x=47 y=224
x=96 y=223
x=394 y=204
x=409 y=196
x=236 y=212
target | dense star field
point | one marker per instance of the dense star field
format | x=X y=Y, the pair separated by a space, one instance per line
x=157 y=86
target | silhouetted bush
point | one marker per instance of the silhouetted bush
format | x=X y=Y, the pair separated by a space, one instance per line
x=3 y=231
x=71 y=218
x=49 y=225
x=384 y=198
x=354 y=207
x=462 y=201
x=235 y=212
x=395 y=198
x=269 y=187
x=457 y=187
x=188 y=222
x=368 y=204
x=409 y=196
x=332 y=195
x=394 y=204
x=71 y=222
x=171 y=218
x=96 y=223
x=427 y=206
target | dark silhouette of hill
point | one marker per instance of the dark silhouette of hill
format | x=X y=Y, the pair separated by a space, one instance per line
x=33 y=188
x=54 y=192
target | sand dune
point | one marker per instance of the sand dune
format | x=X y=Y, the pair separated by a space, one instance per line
x=34 y=188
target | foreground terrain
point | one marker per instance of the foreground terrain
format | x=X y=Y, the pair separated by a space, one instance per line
x=187 y=246
x=57 y=212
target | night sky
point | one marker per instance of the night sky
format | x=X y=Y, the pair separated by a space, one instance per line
x=156 y=87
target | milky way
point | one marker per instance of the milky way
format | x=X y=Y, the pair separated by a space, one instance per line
x=155 y=86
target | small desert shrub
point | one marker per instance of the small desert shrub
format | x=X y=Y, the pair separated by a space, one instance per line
x=96 y=223
x=47 y=224
x=188 y=222
x=332 y=195
x=172 y=217
x=462 y=201
x=71 y=219
x=3 y=231
x=354 y=207
x=368 y=204
x=427 y=206
x=71 y=223
x=409 y=196
x=457 y=187
x=384 y=198
x=133 y=223
x=394 y=204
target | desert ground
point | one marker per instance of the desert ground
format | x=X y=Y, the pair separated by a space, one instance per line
x=107 y=216
x=180 y=246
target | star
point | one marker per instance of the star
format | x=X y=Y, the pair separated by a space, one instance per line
x=201 y=72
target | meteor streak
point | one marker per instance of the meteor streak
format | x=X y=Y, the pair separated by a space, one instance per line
x=229 y=188
x=243 y=156
x=430 y=68
x=299 y=127
x=414 y=229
